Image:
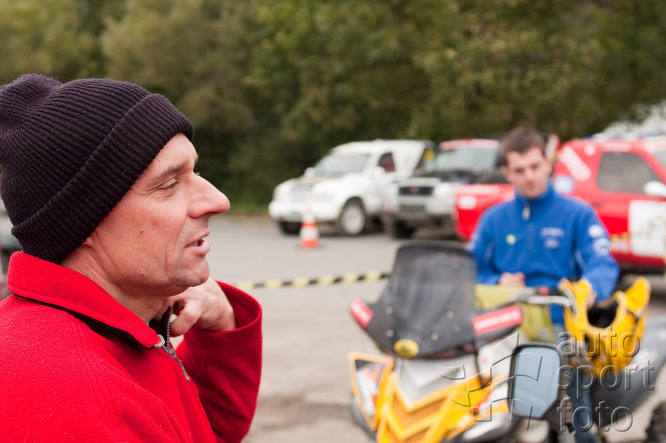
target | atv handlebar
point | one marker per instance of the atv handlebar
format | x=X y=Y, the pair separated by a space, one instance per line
x=544 y=296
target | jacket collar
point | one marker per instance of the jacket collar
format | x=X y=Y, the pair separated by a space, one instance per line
x=54 y=285
x=542 y=200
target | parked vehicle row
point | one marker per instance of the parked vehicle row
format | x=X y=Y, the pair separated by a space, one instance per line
x=409 y=184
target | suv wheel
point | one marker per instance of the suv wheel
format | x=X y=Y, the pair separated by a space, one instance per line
x=352 y=219
x=289 y=228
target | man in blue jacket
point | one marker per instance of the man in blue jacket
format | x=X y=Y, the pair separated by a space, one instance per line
x=541 y=237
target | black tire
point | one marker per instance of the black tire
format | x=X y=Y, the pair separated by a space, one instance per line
x=398 y=229
x=289 y=228
x=352 y=220
x=657 y=430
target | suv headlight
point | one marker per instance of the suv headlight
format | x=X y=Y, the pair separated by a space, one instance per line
x=282 y=191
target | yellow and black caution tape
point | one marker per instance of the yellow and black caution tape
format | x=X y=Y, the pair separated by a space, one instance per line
x=323 y=280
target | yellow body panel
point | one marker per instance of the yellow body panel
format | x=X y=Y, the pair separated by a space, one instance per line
x=442 y=414
x=613 y=347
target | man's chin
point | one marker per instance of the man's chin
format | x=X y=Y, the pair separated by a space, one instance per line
x=197 y=276
x=531 y=193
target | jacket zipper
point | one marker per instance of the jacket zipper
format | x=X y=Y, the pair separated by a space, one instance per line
x=529 y=226
x=165 y=341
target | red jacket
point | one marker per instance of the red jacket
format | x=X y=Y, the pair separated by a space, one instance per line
x=77 y=365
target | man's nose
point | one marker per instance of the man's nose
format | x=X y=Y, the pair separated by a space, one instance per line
x=208 y=200
x=529 y=175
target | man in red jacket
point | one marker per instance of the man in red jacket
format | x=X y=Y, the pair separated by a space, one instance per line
x=98 y=180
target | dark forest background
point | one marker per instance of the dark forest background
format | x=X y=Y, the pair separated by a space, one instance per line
x=272 y=84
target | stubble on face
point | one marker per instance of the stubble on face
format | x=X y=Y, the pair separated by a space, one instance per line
x=529 y=172
x=153 y=243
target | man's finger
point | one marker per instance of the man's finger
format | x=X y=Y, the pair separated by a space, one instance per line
x=186 y=318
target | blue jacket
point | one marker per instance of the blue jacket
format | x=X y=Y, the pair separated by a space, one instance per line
x=547 y=238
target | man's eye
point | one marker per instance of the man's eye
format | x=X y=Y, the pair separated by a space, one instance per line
x=171 y=185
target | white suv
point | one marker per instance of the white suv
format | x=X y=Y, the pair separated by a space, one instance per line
x=427 y=198
x=347 y=186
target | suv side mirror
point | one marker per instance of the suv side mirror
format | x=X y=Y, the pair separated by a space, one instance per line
x=655 y=188
x=535 y=381
x=309 y=172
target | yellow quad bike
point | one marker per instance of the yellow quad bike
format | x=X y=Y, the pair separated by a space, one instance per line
x=445 y=363
x=446 y=344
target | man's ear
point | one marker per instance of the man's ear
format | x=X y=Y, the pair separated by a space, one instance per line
x=505 y=171
x=88 y=241
x=78 y=256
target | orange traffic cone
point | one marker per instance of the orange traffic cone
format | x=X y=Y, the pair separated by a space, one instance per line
x=309 y=231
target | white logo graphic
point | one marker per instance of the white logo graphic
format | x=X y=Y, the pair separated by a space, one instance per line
x=596 y=231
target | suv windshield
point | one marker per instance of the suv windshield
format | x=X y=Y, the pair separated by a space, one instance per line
x=467 y=159
x=340 y=164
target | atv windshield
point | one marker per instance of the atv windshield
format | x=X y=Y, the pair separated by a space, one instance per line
x=334 y=165
x=429 y=299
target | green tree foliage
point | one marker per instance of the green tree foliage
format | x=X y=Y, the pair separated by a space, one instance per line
x=632 y=58
x=330 y=72
x=59 y=38
x=513 y=62
x=272 y=84
x=196 y=53
x=42 y=36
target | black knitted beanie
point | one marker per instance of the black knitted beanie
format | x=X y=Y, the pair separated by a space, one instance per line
x=71 y=151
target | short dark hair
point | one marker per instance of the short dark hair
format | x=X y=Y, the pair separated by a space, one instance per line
x=520 y=140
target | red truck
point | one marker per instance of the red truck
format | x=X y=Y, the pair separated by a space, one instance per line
x=622 y=178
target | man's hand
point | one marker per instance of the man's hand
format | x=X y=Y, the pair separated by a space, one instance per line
x=205 y=306
x=509 y=279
